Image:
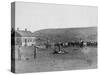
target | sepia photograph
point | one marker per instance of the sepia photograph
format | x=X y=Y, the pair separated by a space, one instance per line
x=48 y=37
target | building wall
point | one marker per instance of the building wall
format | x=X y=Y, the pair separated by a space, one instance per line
x=28 y=41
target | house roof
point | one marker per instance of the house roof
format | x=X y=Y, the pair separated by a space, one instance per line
x=17 y=34
x=24 y=33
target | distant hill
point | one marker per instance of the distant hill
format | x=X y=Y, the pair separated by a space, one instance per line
x=68 y=34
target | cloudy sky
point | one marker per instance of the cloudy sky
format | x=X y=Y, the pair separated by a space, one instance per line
x=36 y=16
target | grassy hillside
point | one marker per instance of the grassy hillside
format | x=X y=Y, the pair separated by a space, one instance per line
x=68 y=34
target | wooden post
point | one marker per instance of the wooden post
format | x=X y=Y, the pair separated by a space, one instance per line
x=34 y=52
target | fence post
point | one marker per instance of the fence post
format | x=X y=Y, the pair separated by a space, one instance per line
x=34 y=52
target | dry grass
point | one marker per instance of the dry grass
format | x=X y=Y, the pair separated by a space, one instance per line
x=47 y=61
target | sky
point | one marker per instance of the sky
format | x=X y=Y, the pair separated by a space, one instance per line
x=36 y=16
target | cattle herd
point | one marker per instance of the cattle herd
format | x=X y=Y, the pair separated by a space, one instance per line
x=79 y=44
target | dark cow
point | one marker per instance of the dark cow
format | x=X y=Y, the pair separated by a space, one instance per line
x=90 y=43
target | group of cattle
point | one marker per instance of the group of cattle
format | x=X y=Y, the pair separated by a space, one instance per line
x=76 y=44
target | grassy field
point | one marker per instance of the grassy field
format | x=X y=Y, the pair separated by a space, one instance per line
x=75 y=59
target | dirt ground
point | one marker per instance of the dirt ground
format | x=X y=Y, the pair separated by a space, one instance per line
x=75 y=59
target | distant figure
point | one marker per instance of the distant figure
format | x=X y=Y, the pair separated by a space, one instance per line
x=34 y=51
x=58 y=45
x=19 y=53
x=81 y=44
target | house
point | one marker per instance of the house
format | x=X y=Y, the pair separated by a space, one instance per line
x=24 y=37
